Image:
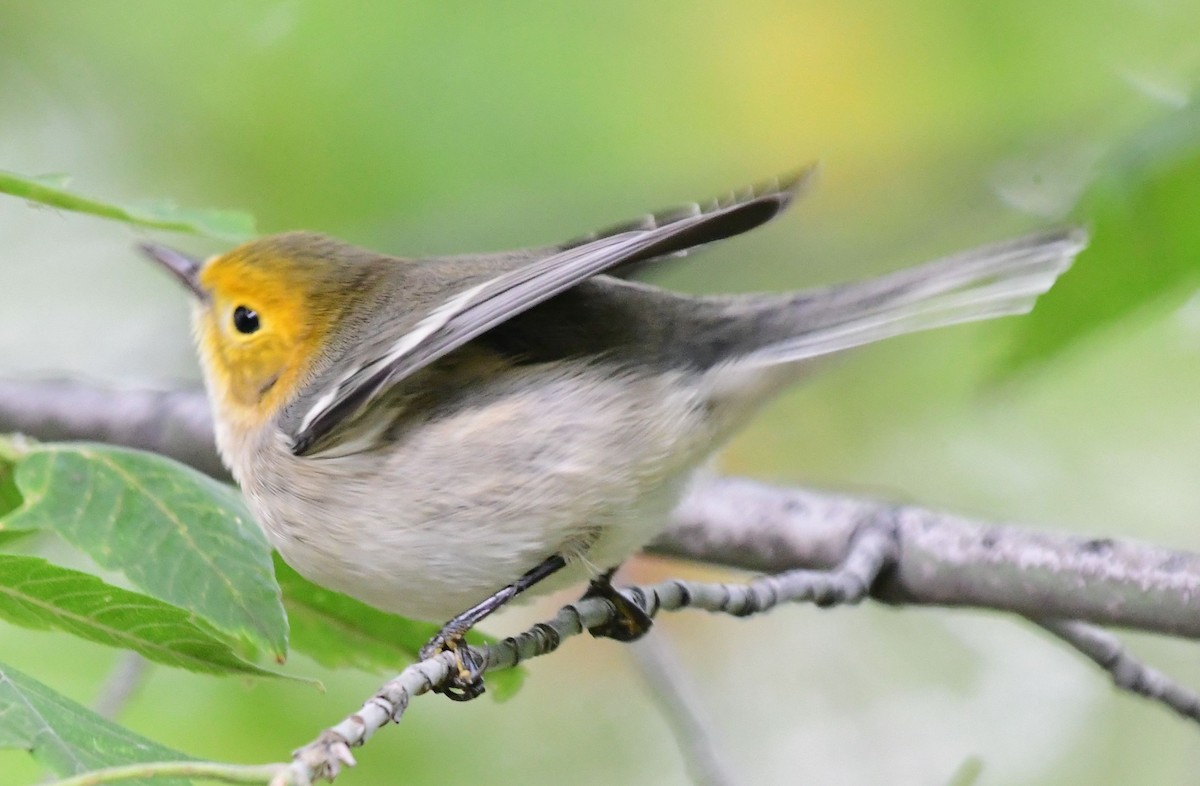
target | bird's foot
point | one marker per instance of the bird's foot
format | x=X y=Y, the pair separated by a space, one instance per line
x=466 y=682
x=630 y=621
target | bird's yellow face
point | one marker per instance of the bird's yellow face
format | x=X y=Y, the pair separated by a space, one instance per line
x=256 y=332
x=264 y=314
x=247 y=331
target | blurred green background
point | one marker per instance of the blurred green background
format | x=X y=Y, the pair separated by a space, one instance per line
x=429 y=128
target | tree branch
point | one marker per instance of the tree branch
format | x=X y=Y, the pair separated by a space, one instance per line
x=825 y=548
x=1127 y=672
x=676 y=698
x=944 y=560
x=871 y=550
x=175 y=423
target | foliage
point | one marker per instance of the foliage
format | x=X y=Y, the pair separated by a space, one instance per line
x=64 y=736
x=38 y=594
x=52 y=191
x=339 y=631
x=1145 y=240
x=207 y=600
x=174 y=533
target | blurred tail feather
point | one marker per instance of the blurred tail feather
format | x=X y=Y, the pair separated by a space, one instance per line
x=987 y=282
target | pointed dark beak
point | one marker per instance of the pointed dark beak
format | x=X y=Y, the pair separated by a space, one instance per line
x=183 y=267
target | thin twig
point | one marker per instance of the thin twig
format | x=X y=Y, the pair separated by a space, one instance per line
x=225 y=773
x=123 y=681
x=1127 y=671
x=872 y=550
x=676 y=699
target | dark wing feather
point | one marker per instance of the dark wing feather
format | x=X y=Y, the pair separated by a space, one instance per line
x=469 y=313
x=793 y=185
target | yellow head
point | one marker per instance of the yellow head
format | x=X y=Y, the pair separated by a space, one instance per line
x=263 y=315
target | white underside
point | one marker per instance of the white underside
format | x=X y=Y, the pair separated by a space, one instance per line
x=578 y=459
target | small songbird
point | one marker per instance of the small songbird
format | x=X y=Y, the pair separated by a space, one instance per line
x=435 y=436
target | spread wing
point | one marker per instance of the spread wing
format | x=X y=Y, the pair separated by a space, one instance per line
x=466 y=314
x=789 y=187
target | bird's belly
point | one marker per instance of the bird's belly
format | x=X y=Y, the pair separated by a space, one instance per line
x=432 y=569
x=467 y=504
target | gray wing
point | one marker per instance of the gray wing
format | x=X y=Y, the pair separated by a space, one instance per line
x=468 y=313
x=799 y=182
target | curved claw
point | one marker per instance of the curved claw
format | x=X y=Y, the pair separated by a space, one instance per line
x=467 y=681
x=630 y=621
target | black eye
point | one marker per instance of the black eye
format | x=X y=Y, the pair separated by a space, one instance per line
x=245 y=320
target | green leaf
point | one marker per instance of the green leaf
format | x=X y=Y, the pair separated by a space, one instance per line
x=67 y=737
x=1145 y=238
x=338 y=631
x=176 y=534
x=10 y=495
x=7 y=537
x=51 y=190
x=40 y=595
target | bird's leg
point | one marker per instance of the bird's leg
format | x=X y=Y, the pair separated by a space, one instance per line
x=629 y=623
x=468 y=683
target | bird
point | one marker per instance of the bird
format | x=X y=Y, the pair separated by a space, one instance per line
x=436 y=436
